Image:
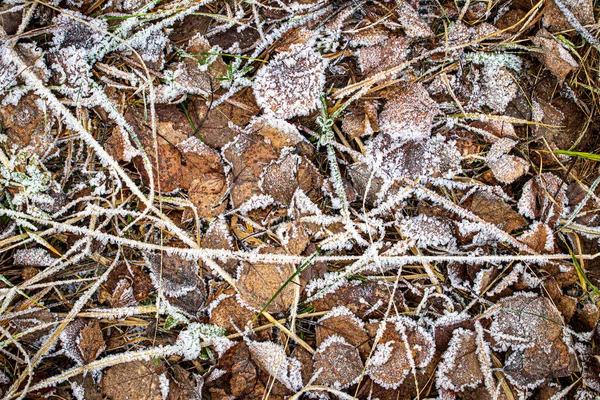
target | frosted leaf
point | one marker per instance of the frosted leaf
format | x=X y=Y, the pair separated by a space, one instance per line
x=337 y=363
x=272 y=359
x=428 y=231
x=459 y=368
x=529 y=368
x=340 y=321
x=409 y=113
x=251 y=152
x=258 y=283
x=133 y=380
x=554 y=56
x=189 y=340
x=403 y=347
x=499 y=88
x=152 y=47
x=70 y=32
x=436 y=157
x=525 y=320
x=173 y=274
x=383 y=56
x=290 y=172
x=506 y=168
x=374 y=34
x=537 y=199
x=411 y=22
x=361 y=120
x=291 y=83
x=35 y=257
x=539 y=237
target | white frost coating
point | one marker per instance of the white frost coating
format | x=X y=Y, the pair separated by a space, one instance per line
x=164 y=383
x=290 y=85
x=428 y=231
x=36 y=257
x=506 y=168
x=450 y=361
x=255 y=202
x=272 y=358
x=189 y=341
x=342 y=311
x=78 y=391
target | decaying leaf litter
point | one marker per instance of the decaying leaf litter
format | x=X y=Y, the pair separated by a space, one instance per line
x=299 y=199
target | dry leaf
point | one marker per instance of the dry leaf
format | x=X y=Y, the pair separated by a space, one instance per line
x=543 y=198
x=136 y=380
x=493 y=209
x=340 y=321
x=291 y=83
x=506 y=168
x=258 y=283
x=337 y=363
x=409 y=113
x=373 y=59
x=460 y=367
x=403 y=344
x=556 y=58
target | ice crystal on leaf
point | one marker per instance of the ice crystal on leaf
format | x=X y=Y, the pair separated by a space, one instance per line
x=404 y=346
x=291 y=83
x=190 y=340
x=460 y=368
x=408 y=114
x=271 y=358
x=525 y=320
x=506 y=168
x=37 y=257
x=428 y=231
x=435 y=157
x=544 y=198
x=337 y=363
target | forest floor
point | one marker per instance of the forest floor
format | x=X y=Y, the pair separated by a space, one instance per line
x=297 y=199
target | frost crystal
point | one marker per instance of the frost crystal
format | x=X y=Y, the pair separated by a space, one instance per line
x=409 y=113
x=290 y=85
x=506 y=168
x=272 y=358
x=428 y=231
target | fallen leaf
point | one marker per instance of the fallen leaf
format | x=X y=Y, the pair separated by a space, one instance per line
x=544 y=198
x=258 y=283
x=291 y=83
x=403 y=344
x=337 y=363
x=506 y=168
x=135 y=380
x=459 y=368
x=554 y=56
x=408 y=113
x=341 y=322
x=493 y=209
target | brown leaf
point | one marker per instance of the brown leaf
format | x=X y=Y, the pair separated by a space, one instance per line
x=529 y=368
x=281 y=178
x=554 y=56
x=361 y=120
x=555 y=21
x=259 y=282
x=337 y=363
x=460 y=367
x=402 y=341
x=250 y=152
x=525 y=320
x=539 y=237
x=133 y=380
x=25 y=124
x=342 y=322
x=227 y=312
x=214 y=123
x=409 y=113
x=218 y=236
x=173 y=274
x=506 y=168
x=543 y=198
x=493 y=209
x=373 y=59
x=207 y=192
x=290 y=84
x=411 y=21
x=91 y=342
x=124 y=282
x=360 y=298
